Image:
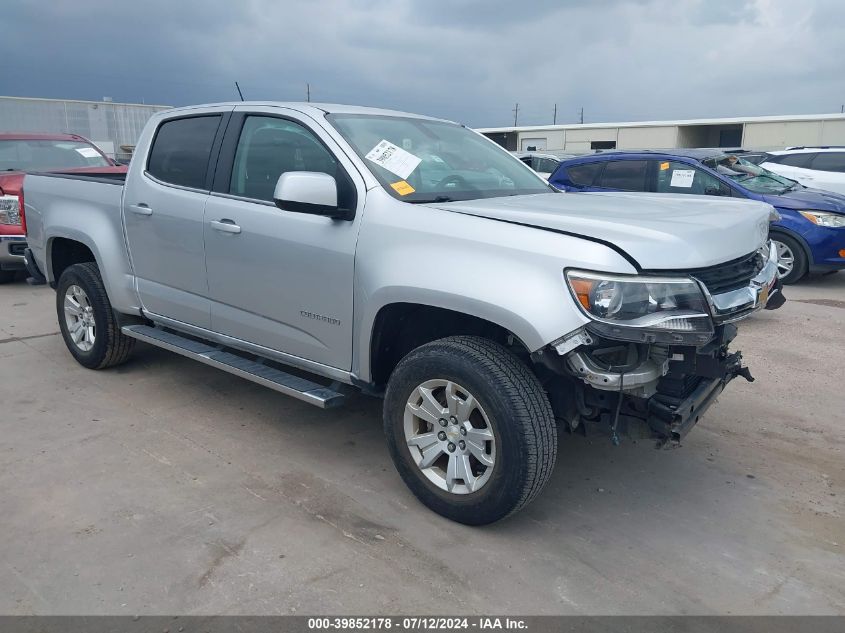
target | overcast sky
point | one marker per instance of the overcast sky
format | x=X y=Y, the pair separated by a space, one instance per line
x=469 y=61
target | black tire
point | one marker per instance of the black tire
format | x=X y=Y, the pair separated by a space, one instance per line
x=518 y=411
x=7 y=276
x=800 y=265
x=111 y=347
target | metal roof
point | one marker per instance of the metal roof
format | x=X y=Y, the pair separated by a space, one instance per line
x=671 y=123
x=111 y=103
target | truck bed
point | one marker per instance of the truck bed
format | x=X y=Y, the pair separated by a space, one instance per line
x=84 y=208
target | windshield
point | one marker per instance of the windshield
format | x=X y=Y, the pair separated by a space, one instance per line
x=753 y=177
x=418 y=160
x=44 y=155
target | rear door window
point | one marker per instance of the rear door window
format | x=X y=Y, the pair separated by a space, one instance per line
x=546 y=165
x=181 y=150
x=829 y=161
x=627 y=175
x=585 y=174
x=795 y=160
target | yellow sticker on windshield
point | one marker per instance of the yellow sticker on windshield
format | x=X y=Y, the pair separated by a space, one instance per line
x=664 y=166
x=402 y=188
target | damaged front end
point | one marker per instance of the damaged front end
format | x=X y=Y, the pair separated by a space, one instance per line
x=655 y=354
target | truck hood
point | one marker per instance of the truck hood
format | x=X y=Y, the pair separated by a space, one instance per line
x=659 y=231
x=806 y=198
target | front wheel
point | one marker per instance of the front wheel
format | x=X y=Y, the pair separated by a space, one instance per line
x=470 y=429
x=86 y=319
x=792 y=260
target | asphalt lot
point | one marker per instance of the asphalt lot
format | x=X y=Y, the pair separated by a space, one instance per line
x=165 y=486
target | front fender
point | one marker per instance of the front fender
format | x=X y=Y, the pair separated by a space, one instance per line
x=510 y=275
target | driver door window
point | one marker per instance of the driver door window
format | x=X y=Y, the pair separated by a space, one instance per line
x=677 y=177
x=269 y=147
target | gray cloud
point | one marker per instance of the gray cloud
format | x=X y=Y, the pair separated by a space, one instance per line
x=469 y=61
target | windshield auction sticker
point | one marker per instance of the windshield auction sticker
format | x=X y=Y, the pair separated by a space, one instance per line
x=393 y=158
x=88 y=152
x=682 y=178
x=402 y=188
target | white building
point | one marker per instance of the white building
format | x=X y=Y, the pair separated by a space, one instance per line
x=764 y=132
x=113 y=127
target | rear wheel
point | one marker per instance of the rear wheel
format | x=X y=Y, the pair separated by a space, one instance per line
x=470 y=429
x=86 y=319
x=792 y=260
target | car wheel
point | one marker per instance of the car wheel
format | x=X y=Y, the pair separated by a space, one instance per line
x=792 y=260
x=470 y=429
x=86 y=319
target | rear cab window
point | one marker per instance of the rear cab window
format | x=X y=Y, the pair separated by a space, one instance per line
x=181 y=150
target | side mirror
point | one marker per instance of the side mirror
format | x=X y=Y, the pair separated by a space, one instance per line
x=307 y=192
x=712 y=190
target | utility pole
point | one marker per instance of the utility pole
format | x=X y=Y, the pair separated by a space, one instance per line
x=582 y=114
x=554 y=116
x=515 y=114
x=308 y=92
x=842 y=109
x=240 y=94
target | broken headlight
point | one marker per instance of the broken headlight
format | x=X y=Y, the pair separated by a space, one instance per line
x=674 y=304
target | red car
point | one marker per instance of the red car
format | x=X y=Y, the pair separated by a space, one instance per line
x=20 y=153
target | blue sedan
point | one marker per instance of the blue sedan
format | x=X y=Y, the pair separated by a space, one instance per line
x=810 y=235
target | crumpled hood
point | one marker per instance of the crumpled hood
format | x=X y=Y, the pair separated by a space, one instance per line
x=659 y=231
x=817 y=199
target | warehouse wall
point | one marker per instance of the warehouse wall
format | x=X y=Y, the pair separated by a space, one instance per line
x=579 y=140
x=647 y=137
x=108 y=124
x=833 y=133
x=780 y=135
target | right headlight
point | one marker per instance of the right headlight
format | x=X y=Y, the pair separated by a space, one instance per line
x=825 y=218
x=674 y=304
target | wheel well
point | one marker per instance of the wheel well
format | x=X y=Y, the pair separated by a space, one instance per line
x=65 y=253
x=402 y=327
x=801 y=241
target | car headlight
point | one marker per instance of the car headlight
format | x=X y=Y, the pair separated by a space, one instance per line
x=825 y=218
x=10 y=212
x=655 y=303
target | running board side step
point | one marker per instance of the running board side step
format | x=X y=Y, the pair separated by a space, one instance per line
x=288 y=384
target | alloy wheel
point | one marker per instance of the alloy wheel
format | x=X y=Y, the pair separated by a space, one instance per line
x=786 y=259
x=449 y=436
x=79 y=318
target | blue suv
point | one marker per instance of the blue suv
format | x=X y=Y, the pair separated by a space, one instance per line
x=810 y=235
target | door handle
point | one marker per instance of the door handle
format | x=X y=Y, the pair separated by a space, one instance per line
x=140 y=208
x=225 y=226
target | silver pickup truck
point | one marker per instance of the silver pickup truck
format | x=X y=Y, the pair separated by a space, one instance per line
x=316 y=249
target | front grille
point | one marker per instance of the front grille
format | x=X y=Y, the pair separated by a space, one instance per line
x=729 y=276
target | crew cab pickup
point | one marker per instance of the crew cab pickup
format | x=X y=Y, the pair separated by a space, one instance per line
x=317 y=249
